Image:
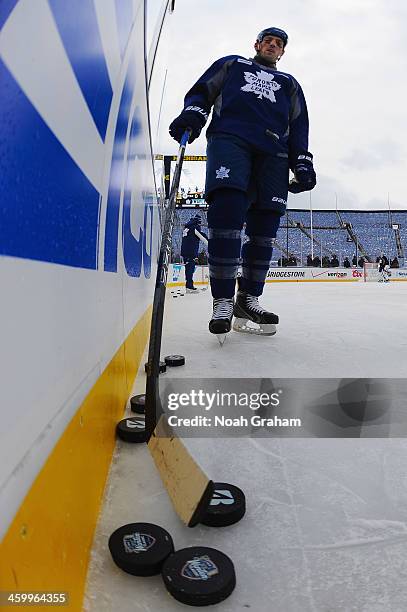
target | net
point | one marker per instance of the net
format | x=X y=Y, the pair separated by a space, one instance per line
x=371 y=272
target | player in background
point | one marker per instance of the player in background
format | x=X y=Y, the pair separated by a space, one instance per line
x=258 y=131
x=383 y=268
x=191 y=237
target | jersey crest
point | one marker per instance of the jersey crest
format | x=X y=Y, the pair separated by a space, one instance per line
x=262 y=84
x=222 y=172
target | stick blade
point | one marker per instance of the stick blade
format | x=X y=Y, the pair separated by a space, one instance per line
x=188 y=486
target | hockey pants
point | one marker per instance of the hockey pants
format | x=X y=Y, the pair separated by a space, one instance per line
x=189 y=272
x=228 y=211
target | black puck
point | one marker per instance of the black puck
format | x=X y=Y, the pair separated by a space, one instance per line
x=132 y=429
x=140 y=548
x=227 y=506
x=138 y=403
x=199 y=576
x=174 y=361
x=163 y=367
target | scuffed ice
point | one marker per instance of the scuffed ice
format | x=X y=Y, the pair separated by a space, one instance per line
x=326 y=522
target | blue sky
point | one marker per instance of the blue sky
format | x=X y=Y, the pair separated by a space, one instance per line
x=350 y=57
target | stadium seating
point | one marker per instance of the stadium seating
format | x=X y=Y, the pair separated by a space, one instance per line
x=373 y=230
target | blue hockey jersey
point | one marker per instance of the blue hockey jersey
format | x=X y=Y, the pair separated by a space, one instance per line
x=260 y=104
x=190 y=241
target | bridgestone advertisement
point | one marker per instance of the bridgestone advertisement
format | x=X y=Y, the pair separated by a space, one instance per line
x=177 y=275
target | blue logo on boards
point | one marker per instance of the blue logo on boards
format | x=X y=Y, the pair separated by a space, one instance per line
x=134 y=248
x=176 y=272
x=50 y=205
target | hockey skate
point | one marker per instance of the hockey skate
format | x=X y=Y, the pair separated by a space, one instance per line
x=248 y=310
x=191 y=290
x=221 y=321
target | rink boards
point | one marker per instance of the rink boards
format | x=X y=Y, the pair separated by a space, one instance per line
x=176 y=275
x=79 y=235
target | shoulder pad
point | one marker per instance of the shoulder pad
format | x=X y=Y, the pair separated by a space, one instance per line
x=287 y=76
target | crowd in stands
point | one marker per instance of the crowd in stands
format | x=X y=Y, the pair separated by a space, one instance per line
x=333 y=244
x=290 y=261
x=394 y=263
x=333 y=262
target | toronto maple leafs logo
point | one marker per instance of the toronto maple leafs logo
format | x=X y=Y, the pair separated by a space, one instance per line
x=262 y=84
x=222 y=172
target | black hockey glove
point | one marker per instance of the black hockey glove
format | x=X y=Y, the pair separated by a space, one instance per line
x=193 y=117
x=304 y=173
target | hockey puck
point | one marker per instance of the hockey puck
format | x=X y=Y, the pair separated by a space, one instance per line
x=227 y=506
x=174 y=361
x=132 y=429
x=138 y=403
x=199 y=576
x=140 y=548
x=163 y=367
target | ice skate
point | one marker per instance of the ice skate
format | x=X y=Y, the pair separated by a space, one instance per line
x=251 y=318
x=221 y=321
x=191 y=290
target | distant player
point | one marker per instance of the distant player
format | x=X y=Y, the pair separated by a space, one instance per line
x=383 y=268
x=191 y=237
x=259 y=130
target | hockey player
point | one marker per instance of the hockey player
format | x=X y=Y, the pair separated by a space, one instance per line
x=191 y=237
x=383 y=268
x=259 y=130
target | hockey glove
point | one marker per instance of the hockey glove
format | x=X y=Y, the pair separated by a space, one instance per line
x=192 y=117
x=304 y=173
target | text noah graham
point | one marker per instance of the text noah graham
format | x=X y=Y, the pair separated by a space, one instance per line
x=241 y=421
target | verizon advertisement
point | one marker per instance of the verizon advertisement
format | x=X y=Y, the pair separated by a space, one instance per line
x=314 y=274
x=177 y=275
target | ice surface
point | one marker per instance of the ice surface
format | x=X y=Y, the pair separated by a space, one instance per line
x=326 y=522
x=326 y=329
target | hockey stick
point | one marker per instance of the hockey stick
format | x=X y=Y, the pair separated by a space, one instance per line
x=201 y=238
x=188 y=486
x=205 y=242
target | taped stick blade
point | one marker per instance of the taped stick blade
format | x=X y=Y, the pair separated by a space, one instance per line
x=188 y=486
